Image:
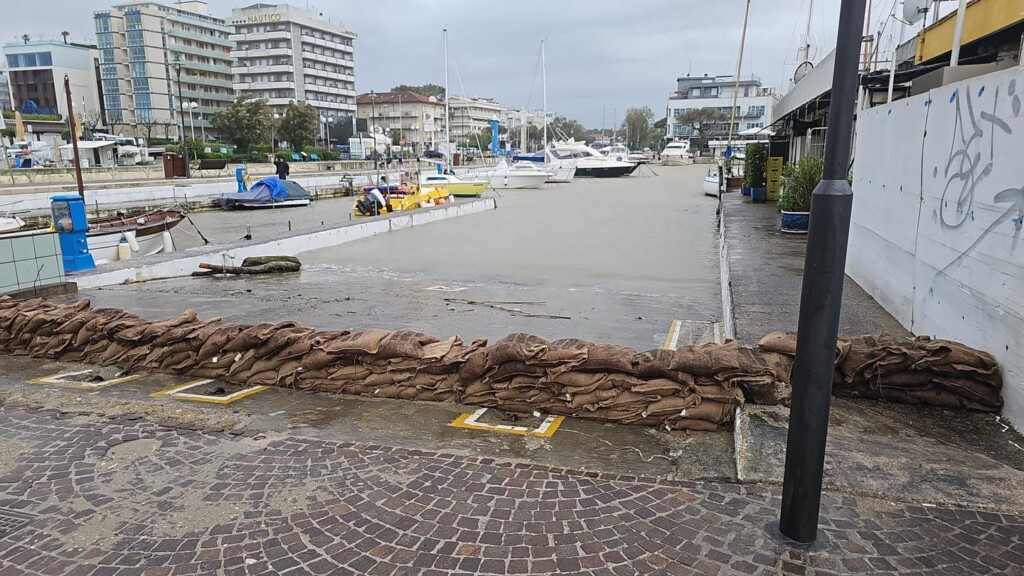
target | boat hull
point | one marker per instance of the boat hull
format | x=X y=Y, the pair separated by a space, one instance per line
x=675 y=160
x=605 y=171
x=428 y=196
x=518 y=181
x=467 y=189
x=710 y=186
x=232 y=204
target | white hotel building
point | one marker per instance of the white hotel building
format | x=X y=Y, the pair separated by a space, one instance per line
x=283 y=54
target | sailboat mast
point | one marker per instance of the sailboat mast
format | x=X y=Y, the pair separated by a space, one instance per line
x=544 y=83
x=739 y=68
x=807 y=38
x=447 y=99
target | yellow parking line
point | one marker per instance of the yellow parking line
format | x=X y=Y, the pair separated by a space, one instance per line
x=547 y=428
x=178 y=392
x=60 y=380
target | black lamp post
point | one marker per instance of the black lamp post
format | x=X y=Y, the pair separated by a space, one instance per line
x=181 y=134
x=822 y=294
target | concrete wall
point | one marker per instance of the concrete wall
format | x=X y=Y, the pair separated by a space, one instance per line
x=287 y=246
x=28 y=262
x=937 y=217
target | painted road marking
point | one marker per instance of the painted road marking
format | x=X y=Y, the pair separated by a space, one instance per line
x=672 y=339
x=64 y=378
x=180 y=393
x=546 y=429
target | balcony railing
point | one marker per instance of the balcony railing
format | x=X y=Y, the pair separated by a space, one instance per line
x=179 y=33
x=276 y=68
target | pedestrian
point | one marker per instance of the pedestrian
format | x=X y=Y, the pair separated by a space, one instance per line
x=283 y=170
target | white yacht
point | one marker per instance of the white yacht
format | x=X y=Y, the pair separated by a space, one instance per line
x=676 y=153
x=589 y=163
x=519 y=175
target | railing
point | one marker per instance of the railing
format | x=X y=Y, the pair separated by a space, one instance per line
x=206 y=81
x=179 y=33
x=204 y=52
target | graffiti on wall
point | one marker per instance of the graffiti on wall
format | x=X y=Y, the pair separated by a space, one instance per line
x=971 y=160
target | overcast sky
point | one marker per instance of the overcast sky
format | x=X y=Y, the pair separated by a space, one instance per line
x=601 y=54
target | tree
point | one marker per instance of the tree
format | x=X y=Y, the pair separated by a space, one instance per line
x=424 y=90
x=147 y=126
x=90 y=120
x=299 y=126
x=561 y=127
x=701 y=120
x=246 y=122
x=485 y=135
x=637 y=126
x=65 y=35
x=25 y=38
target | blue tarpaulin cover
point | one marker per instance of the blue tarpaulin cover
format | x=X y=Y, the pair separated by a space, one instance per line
x=267 y=191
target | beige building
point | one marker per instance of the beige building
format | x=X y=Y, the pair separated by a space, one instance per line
x=417 y=119
x=283 y=54
x=469 y=116
x=144 y=47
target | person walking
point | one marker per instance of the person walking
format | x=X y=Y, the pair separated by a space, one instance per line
x=283 y=170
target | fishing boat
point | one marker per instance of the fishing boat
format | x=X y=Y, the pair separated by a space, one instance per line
x=10 y=221
x=400 y=199
x=458 y=187
x=676 y=153
x=268 y=193
x=142 y=231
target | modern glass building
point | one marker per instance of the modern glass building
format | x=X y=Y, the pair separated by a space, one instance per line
x=145 y=49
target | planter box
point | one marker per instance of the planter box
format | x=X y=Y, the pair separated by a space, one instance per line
x=734 y=182
x=758 y=195
x=795 y=222
x=746 y=190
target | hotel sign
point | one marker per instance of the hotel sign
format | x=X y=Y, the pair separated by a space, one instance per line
x=261 y=18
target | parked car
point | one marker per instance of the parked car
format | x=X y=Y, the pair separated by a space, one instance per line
x=434 y=154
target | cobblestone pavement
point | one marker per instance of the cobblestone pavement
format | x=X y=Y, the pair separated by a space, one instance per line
x=127 y=496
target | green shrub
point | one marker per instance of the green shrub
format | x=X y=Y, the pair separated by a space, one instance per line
x=755 y=173
x=798 y=183
x=9 y=115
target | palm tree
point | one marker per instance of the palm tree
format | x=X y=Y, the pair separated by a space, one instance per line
x=65 y=35
x=25 y=38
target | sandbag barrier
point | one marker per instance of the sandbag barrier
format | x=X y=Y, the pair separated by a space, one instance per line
x=690 y=388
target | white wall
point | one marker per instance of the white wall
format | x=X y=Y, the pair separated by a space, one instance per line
x=938 y=213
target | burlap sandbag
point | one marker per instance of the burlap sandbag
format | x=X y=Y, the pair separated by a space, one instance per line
x=707 y=358
x=516 y=347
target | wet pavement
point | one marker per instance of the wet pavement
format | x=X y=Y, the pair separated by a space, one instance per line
x=610 y=260
x=82 y=495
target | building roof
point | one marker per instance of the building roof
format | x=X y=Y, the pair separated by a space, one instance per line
x=393 y=98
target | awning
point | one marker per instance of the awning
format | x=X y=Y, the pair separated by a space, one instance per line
x=90 y=145
x=757 y=132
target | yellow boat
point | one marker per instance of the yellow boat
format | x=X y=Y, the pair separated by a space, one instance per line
x=456 y=186
x=407 y=199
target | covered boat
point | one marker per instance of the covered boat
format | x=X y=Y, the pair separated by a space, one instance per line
x=268 y=193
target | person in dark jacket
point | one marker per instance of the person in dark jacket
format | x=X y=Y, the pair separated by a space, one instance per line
x=283 y=170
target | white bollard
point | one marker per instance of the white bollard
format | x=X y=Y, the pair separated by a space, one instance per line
x=168 y=241
x=124 y=251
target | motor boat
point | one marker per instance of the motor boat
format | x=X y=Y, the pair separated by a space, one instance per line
x=589 y=163
x=616 y=151
x=399 y=198
x=458 y=187
x=518 y=175
x=10 y=222
x=268 y=193
x=676 y=153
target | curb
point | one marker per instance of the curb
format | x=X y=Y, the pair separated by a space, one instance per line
x=728 y=318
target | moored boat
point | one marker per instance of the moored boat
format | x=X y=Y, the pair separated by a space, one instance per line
x=268 y=193
x=399 y=199
x=458 y=187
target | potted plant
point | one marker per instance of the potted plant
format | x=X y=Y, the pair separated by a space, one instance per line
x=798 y=183
x=755 y=174
x=732 y=182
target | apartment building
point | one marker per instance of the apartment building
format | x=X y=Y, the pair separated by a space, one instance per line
x=152 y=52
x=753 y=103
x=284 y=53
x=469 y=116
x=36 y=70
x=417 y=120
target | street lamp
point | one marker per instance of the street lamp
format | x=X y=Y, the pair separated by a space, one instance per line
x=822 y=295
x=181 y=133
x=190 y=107
x=273 y=131
x=327 y=129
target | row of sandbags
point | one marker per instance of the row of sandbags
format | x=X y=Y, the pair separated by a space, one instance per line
x=921 y=370
x=692 y=387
